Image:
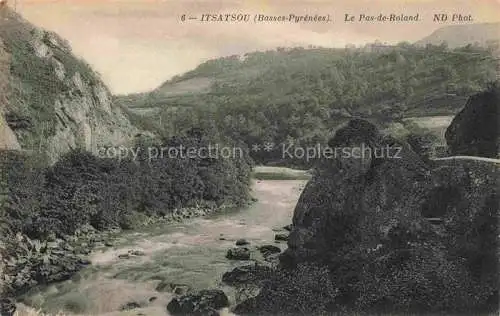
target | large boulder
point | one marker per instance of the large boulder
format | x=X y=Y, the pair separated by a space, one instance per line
x=475 y=130
x=352 y=201
x=267 y=250
x=281 y=237
x=203 y=303
x=251 y=273
x=362 y=238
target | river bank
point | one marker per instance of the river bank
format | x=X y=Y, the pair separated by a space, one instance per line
x=190 y=253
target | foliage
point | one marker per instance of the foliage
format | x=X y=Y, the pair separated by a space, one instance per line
x=84 y=189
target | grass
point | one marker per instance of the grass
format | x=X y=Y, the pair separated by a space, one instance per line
x=280 y=173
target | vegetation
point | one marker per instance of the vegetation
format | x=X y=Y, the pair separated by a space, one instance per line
x=299 y=96
x=82 y=192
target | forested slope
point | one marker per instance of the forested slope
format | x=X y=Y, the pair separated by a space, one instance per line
x=299 y=95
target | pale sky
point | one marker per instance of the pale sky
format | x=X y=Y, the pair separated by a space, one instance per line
x=138 y=44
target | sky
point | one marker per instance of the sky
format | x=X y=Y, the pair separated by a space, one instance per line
x=138 y=44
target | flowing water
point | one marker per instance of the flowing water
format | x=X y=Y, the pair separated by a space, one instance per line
x=190 y=253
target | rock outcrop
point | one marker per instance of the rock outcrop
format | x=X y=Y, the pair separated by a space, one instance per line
x=475 y=131
x=357 y=193
x=385 y=232
x=238 y=253
x=51 y=100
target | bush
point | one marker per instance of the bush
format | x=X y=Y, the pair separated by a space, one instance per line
x=82 y=189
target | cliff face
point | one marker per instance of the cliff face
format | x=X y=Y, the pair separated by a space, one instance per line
x=51 y=100
x=391 y=234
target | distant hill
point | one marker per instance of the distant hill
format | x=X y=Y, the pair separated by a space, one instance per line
x=345 y=81
x=483 y=34
x=300 y=96
x=50 y=100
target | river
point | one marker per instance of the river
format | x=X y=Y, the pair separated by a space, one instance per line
x=190 y=253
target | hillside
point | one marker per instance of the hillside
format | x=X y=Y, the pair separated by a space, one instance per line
x=299 y=96
x=50 y=99
x=483 y=34
x=56 y=109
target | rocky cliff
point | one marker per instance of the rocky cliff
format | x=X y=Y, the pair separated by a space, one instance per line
x=389 y=234
x=51 y=100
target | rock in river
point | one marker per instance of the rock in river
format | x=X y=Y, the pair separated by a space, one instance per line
x=251 y=273
x=179 y=289
x=138 y=253
x=130 y=306
x=288 y=227
x=281 y=237
x=124 y=256
x=239 y=253
x=242 y=242
x=268 y=250
x=203 y=303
